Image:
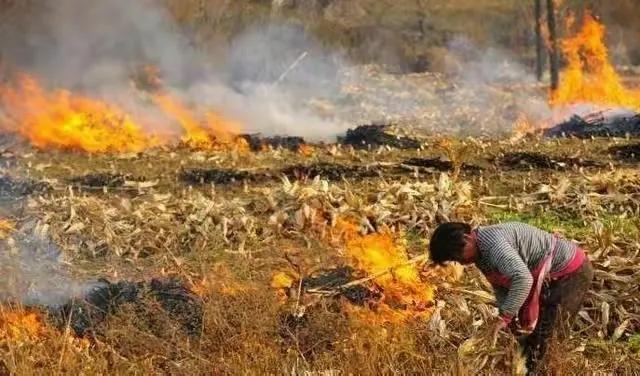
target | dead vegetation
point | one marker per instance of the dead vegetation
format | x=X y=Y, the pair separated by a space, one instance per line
x=529 y=161
x=226 y=243
x=629 y=153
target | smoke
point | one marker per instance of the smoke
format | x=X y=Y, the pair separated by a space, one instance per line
x=96 y=48
x=271 y=76
x=482 y=90
x=483 y=66
x=274 y=79
x=491 y=79
x=33 y=272
x=94 y=45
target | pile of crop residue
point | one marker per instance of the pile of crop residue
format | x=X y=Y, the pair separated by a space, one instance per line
x=609 y=123
x=367 y=136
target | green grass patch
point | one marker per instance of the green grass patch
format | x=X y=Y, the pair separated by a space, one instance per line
x=572 y=227
x=634 y=343
x=548 y=221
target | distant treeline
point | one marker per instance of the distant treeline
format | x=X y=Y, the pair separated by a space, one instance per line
x=405 y=35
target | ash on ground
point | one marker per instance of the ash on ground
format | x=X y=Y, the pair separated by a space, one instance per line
x=332 y=279
x=439 y=164
x=530 y=160
x=100 y=179
x=12 y=188
x=258 y=143
x=87 y=314
x=330 y=171
x=214 y=175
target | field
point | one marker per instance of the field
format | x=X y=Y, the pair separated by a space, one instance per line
x=219 y=187
x=226 y=241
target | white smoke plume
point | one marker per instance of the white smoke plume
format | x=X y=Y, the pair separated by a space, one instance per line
x=491 y=79
x=95 y=47
x=34 y=273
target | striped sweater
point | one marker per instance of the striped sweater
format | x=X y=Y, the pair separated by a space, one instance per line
x=514 y=250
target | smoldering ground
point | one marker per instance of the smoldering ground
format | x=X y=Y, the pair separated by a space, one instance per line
x=34 y=272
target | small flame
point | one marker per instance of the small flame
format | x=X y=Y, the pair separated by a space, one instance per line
x=212 y=132
x=6 y=228
x=306 y=150
x=589 y=75
x=405 y=294
x=282 y=280
x=21 y=326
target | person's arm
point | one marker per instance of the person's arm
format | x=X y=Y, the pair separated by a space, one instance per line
x=500 y=293
x=509 y=263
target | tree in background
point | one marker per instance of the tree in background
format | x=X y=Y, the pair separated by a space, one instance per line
x=554 y=57
x=539 y=41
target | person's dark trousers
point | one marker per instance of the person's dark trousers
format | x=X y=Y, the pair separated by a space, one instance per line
x=561 y=302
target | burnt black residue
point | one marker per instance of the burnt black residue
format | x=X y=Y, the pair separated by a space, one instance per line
x=332 y=279
x=11 y=188
x=215 y=176
x=366 y=136
x=597 y=124
x=100 y=179
x=530 y=160
x=628 y=153
x=440 y=164
x=257 y=142
x=87 y=314
x=179 y=301
x=330 y=171
x=325 y=170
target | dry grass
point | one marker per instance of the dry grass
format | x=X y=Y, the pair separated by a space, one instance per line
x=228 y=241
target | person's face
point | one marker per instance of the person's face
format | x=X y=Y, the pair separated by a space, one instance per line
x=470 y=251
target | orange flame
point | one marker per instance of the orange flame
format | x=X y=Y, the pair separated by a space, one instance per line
x=213 y=132
x=281 y=280
x=589 y=76
x=306 y=150
x=20 y=326
x=378 y=253
x=65 y=120
x=6 y=228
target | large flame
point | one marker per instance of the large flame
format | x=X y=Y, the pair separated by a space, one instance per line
x=65 y=120
x=589 y=76
x=405 y=294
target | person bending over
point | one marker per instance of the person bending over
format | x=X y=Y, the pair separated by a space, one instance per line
x=539 y=279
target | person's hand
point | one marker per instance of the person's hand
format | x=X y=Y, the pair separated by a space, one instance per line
x=493 y=330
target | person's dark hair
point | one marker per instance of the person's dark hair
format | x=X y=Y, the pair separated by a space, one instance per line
x=447 y=242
